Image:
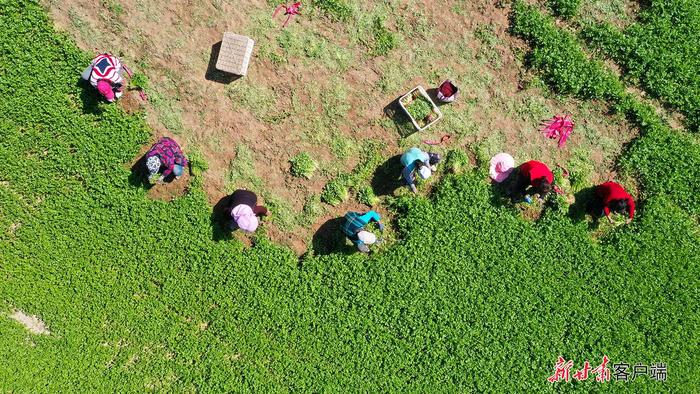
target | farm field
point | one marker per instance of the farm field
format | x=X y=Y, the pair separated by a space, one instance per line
x=143 y=290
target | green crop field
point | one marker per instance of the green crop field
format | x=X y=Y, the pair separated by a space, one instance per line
x=145 y=295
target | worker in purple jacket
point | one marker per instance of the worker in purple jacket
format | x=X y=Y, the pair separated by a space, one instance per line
x=165 y=157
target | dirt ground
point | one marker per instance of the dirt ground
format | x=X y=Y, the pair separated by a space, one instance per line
x=330 y=104
x=30 y=322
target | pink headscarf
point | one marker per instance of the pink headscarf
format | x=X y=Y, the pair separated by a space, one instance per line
x=105 y=88
x=245 y=218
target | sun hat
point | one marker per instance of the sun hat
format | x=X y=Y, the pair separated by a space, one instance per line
x=366 y=237
x=245 y=218
x=424 y=172
x=177 y=170
x=501 y=166
x=153 y=164
x=105 y=88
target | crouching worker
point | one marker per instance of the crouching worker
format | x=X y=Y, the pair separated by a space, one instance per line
x=244 y=211
x=611 y=196
x=165 y=158
x=354 y=229
x=105 y=74
x=417 y=161
x=532 y=177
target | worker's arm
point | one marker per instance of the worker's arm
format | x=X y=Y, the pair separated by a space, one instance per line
x=166 y=173
x=606 y=210
x=260 y=210
x=371 y=216
x=630 y=204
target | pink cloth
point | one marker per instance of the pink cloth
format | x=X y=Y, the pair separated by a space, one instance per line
x=560 y=127
x=245 y=217
x=105 y=88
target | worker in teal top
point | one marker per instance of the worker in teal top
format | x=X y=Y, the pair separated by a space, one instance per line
x=415 y=160
x=354 y=228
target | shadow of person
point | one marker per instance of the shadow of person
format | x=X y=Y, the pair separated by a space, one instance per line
x=89 y=96
x=387 y=177
x=506 y=192
x=585 y=203
x=220 y=220
x=432 y=92
x=212 y=74
x=139 y=174
x=404 y=126
x=500 y=195
x=330 y=239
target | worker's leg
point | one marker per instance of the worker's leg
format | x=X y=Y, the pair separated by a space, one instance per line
x=518 y=186
x=595 y=208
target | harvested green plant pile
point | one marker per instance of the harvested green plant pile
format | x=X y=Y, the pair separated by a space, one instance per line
x=419 y=108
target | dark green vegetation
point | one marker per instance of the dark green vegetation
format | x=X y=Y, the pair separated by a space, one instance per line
x=557 y=52
x=139 y=296
x=661 y=51
x=667 y=162
x=564 y=8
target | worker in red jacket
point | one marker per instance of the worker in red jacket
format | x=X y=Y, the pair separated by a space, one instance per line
x=613 y=197
x=535 y=175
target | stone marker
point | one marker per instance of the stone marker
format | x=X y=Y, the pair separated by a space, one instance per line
x=235 y=53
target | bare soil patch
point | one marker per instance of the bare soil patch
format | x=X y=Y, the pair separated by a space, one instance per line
x=132 y=102
x=315 y=87
x=30 y=322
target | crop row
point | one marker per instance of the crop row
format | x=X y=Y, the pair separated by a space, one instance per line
x=660 y=51
x=667 y=162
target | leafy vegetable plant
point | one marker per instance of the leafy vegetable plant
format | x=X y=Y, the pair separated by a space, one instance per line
x=565 y=8
x=139 y=81
x=336 y=191
x=303 y=165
